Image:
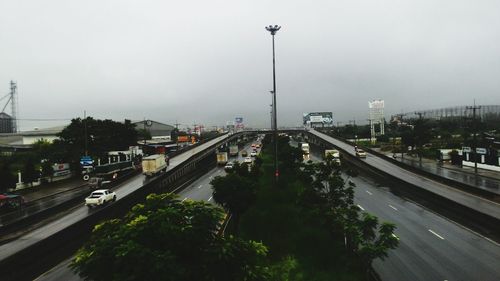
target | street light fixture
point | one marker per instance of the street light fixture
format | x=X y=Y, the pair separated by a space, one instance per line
x=273 y=29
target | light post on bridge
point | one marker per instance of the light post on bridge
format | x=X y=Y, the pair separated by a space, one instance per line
x=273 y=29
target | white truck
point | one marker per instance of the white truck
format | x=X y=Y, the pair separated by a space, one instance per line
x=154 y=164
x=100 y=197
x=233 y=150
x=221 y=158
x=334 y=153
x=305 y=148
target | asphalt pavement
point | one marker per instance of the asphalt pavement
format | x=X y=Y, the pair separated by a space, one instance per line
x=81 y=211
x=199 y=190
x=431 y=247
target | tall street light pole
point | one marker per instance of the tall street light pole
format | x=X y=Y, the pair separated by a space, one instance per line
x=273 y=29
x=272 y=110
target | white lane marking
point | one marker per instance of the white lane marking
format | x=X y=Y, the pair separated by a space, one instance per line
x=200 y=186
x=393 y=207
x=362 y=209
x=210 y=198
x=440 y=237
x=184 y=199
x=369 y=192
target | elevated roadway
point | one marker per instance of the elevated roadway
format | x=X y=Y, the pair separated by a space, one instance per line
x=431 y=247
x=179 y=165
x=199 y=190
x=472 y=202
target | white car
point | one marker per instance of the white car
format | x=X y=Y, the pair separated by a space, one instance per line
x=248 y=160
x=100 y=197
x=360 y=153
x=229 y=166
x=253 y=153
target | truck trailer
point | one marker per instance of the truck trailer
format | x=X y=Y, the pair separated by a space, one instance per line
x=154 y=164
x=233 y=150
x=222 y=158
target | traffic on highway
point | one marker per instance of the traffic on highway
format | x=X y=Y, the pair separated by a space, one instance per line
x=432 y=247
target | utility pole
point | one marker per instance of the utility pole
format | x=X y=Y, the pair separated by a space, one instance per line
x=85 y=132
x=177 y=134
x=144 y=123
x=273 y=30
x=474 y=138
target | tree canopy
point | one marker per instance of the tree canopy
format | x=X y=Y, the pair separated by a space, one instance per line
x=166 y=239
x=102 y=136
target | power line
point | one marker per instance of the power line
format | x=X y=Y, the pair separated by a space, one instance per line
x=44 y=119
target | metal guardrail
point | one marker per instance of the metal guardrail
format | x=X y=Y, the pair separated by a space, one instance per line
x=45 y=206
x=486 y=194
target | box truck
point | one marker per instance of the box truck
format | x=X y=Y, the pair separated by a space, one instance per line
x=154 y=164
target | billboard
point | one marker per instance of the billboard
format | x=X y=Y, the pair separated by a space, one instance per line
x=318 y=119
x=376 y=110
x=238 y=123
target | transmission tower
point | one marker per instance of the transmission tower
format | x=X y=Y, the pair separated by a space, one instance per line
x=13 y=104
x=12 y=98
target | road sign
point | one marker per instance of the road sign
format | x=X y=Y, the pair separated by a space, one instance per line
x=481 y=150
x=86 y=161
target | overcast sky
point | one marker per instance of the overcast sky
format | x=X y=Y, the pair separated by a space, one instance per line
x=209 y=61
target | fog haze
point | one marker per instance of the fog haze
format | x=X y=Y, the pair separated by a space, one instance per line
x=210 y=61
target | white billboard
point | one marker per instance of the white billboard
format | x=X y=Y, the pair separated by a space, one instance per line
x=323 y=119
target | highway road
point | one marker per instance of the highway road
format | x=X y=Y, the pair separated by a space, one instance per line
x=431 y=247
x=199 y=190
x=82 y=211
x=471 y=201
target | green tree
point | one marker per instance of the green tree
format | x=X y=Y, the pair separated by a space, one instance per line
x=234 y=193
x=8 y=179
x=29 y=174
x=47 y=170
x=102 y=136
x=333 y=198
x=422 y=134
x=165 y=239
x=374 y=240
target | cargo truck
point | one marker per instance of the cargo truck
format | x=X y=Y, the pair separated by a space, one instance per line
x=107 y=173
x=233 y=150
x=154 y=164
x=305 y=148
x=222 y=158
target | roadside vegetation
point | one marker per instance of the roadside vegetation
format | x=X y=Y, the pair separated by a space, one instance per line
x=169 y=239
x=308 y=220
x=305 y=227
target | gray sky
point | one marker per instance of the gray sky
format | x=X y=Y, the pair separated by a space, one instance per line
x=209 y=61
